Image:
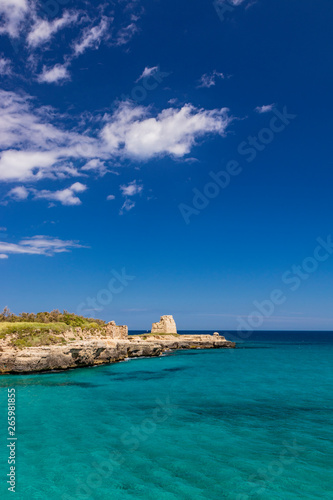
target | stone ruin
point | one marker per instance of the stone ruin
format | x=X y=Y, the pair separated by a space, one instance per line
x=116 y=331
x=217 y=335
x=165 y=325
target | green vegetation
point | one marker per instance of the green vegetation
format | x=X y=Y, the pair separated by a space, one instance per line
x=35 y=340
x=33 y=334
x=44 y=328
x=23 y=328
x=54 y=316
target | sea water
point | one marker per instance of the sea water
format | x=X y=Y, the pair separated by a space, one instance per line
x=253 y=422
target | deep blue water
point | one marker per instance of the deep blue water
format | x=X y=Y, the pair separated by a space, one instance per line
x=250 y=423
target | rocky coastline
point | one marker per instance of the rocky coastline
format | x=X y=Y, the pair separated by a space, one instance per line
x=99 y=349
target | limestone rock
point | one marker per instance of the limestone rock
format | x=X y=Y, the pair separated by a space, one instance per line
x=112 y=344
x=116 y=332
x=165 y=325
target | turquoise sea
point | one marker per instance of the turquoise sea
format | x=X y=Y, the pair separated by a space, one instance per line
x=250 y=423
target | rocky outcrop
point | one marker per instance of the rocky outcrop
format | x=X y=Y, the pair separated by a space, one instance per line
x=114 y=331
x=100 y=351
x=188 y=341
x=99 y=347
x=73 y=355
x=165 y=325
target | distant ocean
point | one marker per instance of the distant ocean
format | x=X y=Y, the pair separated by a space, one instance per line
x=253 y=422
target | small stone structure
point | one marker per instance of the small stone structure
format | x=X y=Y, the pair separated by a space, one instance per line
x=116 y=331
x=216 y=334
x=165 y=325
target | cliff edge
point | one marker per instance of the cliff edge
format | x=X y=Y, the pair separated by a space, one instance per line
x=76 y=347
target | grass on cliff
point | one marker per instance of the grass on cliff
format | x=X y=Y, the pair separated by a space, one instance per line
x=32 y=334
x=45 y=328
x=37 y=340
x=55 y=316
x=7 y=328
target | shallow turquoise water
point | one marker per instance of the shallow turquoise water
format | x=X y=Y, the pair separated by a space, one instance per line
x=254 y=422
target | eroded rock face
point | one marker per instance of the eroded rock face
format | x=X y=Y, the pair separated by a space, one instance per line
x=73 y=355
x=102 y=347
x=100 y=351
x=165 y=325
x=116 y=331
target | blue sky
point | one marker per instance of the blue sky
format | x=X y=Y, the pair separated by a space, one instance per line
x=168 y=158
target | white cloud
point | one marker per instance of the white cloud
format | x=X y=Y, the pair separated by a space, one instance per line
x=147 y=72
x=34 y=148
x=209 y=79
x=19 y=165
x=264 y=109
x=92 y=37
x=21 y=124
x=132 y=132
x=59 y=73
x=95 y=165
x=64 y=196
x=37 y=245
x=131 y=189
x=110 y=197
x=126 y=207
x=5 y=67
x=43 y=30
x=18 y=193
x=125 y=34
x=24 y=21
x=12 y=15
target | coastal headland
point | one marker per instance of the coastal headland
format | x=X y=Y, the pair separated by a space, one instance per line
x=75 y=347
